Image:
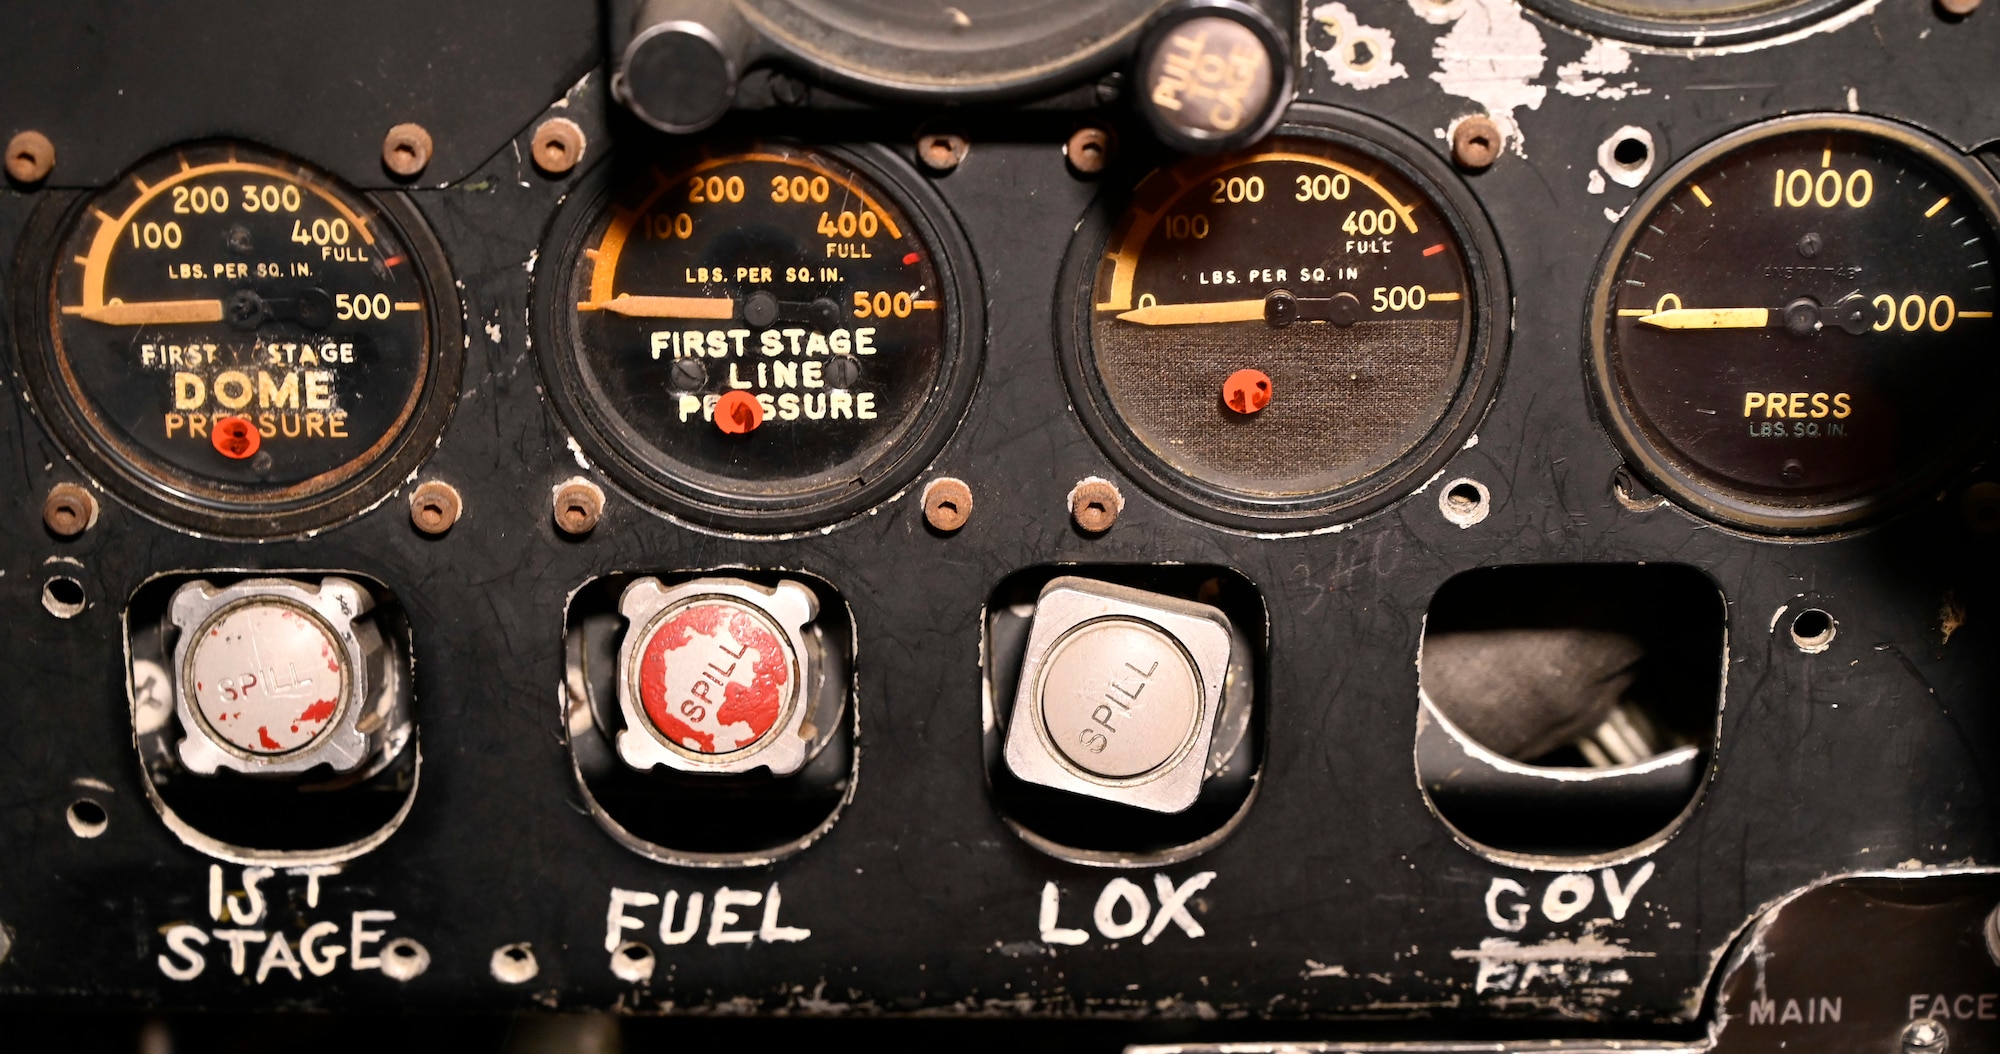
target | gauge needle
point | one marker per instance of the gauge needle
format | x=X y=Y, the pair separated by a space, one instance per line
x=151 y=312
x=1709 y=318
x=720 y=307
x=1195 y=314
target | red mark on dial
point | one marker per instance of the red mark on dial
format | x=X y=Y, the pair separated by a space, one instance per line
x=393 y=260
x=738 y=412
x=234 y=437
x=910 y=258
x=1247 y=391
x=1434 y=250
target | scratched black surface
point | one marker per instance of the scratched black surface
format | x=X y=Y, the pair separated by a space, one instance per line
x=1874 y=753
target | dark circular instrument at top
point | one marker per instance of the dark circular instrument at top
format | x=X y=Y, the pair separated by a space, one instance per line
x=1689 y=23
x=1796 y=330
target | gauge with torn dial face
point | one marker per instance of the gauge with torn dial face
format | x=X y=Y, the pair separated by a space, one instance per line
x=1291 y=333
x=1796 y=328
x=234 y=341
x=769 y=337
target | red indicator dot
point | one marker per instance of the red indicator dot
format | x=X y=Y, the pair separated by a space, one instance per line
x=393 y=260
x=234 y=437
x=1434 y=250
x=738 y=412
x=911 y=258
x=1247 y=391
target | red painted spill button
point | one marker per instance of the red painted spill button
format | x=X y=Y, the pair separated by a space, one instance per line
x=714 y=676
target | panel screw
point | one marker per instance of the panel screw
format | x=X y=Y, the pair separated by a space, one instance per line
x=1958 y=8
x=434 y=506
x=947 y=503
x=1095 y=503
x=69 y=510
x=941 y=152
x=406 y=149
x=30 y=156
x=558 y=145
x=1088 y=150
x=1475 y=142
x=1925 y=1035
x=579 y=505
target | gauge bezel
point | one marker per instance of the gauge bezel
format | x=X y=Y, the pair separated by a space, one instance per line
x=1686 y=488
x=596 y=431
x=1742 y=28
x=1486 y=346
x=130 y=480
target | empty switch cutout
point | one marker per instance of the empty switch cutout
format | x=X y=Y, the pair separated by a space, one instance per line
x=1569 y=710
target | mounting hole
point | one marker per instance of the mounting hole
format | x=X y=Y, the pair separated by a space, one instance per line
x=403 y=959
x=1813 y=630
x=1465 y=501
x=514 y=964
x=63 y=597
x=1627 y=156
x=632 y=961
x=87 y=818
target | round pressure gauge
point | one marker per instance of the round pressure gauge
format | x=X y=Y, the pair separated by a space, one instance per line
x=768 y=337
x=1291 y=333
x=233 y=341
x=1795 y=330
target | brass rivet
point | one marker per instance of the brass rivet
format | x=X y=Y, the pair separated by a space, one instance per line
x=558 y=145
x=406 y=149
x=1094 y=504
x=434 y=506
x=1958 y=8
x=947 y=503
x=1476 y=142
x=69 y=510
x=941 y=152
x=30 y=156
x=1088 y=150
x=579 y=505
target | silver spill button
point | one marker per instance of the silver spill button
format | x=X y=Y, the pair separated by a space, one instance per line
x=1119 y=698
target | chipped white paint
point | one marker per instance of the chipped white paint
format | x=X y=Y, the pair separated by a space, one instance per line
x=1596 y=183
x=493 y=332
x=1854 y=100
x=577 y=452
x=1491 y=56
x=1589 y=76
x=1612 y=215
x=1359 y=57
x=1315 y=968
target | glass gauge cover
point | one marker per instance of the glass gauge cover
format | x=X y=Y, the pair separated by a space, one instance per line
x=769 y=337
x=1288 y=332
x=236 y=342
x=1689 y=23
x=1796 y=329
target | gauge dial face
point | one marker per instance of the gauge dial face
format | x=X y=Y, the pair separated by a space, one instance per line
x=760 y=331
x=236 y=330
x=1323 y=271
x=1798 y=327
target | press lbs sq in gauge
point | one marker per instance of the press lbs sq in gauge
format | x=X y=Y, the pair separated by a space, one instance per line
x=766 y=336
x=1795 y=331
x=233 y=341
x=1290 y=334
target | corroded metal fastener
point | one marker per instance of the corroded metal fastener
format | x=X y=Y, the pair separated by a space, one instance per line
x=1475 y=142
x=1958 y=8
x=941 y=152
x=69 y=510
x=30 y=156
x=1095 y=503
x=557 y=146
x=406 y=149
x=947 y=503
x=434 y=506
x=579 y=505
x=1088 y=150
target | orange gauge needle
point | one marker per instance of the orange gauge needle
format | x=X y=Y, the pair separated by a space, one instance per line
x=1195 y=314
x=716 y=307
x=151 y=312
x=1709 y=318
